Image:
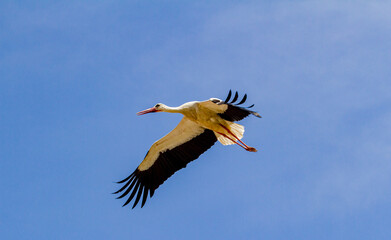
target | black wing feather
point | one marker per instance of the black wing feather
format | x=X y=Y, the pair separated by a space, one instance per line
x=134 y=181
x=140 y=191
x=243 y=100
x=234 y=112
x=122 y=181
x=133 y=193
x=229 y=96
x=125 y=186
x=145 y=195
x=165 y=166
x=235 y=97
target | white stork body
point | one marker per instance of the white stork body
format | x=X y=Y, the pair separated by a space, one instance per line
x=202 y=125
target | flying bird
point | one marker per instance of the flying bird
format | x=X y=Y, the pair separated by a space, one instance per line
x=203 y=123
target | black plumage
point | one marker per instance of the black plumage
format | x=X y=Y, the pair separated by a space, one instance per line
x=234 y=112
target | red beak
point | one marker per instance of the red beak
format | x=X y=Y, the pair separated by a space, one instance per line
x=149 y=110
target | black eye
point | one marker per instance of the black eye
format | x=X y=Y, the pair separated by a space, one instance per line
x=157 y=105
x=215 y=101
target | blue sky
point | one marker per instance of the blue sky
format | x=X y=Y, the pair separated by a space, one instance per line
x=73 y=74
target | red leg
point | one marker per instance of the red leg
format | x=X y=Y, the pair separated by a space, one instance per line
x=232 y=140
x=251 y=149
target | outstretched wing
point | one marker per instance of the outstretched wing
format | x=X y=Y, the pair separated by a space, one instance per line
x=174 y=151
x=229 y=110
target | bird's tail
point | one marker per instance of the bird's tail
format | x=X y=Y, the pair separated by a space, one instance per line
x=236 y=129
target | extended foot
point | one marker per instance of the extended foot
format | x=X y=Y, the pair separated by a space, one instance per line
x=251 y=149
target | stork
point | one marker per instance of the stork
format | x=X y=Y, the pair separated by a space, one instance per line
x=203 y=123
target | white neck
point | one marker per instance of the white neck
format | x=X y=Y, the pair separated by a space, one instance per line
x=172 y=109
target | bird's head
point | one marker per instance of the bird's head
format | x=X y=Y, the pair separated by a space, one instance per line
x=157 y=108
